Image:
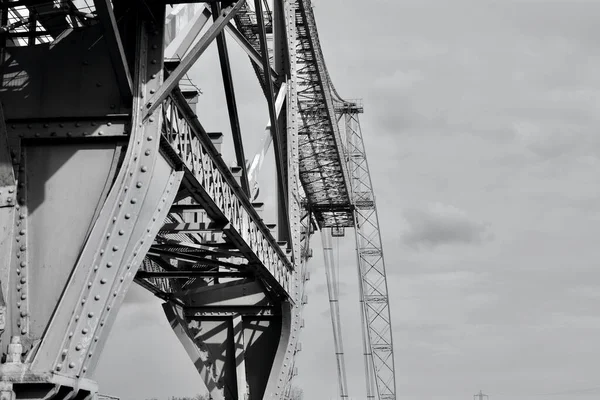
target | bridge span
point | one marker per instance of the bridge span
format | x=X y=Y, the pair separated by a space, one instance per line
x=109 y=177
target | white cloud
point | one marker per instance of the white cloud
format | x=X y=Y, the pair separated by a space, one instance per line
x=440 y=224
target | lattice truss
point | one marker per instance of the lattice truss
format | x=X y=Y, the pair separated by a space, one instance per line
x=371 y=264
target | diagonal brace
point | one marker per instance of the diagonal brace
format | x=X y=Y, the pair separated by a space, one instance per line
x=234 y=120
x=115 y=46
x=254 y=56
x=188 y=61
x=275 y=133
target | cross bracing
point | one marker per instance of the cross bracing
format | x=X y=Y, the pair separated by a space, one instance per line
x=161 y=207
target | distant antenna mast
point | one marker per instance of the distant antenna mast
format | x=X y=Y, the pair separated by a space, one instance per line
x=480 y=396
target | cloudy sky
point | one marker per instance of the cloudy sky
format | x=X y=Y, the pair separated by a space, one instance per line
x=481 y=124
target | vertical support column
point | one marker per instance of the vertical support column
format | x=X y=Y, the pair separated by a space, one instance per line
x=7 y=209
x=240 y=362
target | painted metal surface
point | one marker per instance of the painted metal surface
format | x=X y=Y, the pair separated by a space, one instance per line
x=153 y=192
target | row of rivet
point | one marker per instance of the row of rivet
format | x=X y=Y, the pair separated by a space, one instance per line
x=21 y=261
x=288 y=365
x=70 y=129
x=115 y=236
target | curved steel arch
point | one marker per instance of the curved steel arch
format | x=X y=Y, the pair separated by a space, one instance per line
x=103 y=156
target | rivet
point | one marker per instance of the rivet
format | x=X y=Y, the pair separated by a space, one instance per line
x=100 y=133
x=22 y=232
x=84 y=330
x=109 y=264
x=153 y=61
x=18 y=288
x=23 y=264
x=108 y=235
x=23 y=279
x=91 y=315
x=98 y=84
x=95 y=268
x=18 y=271
x=24 y=330
x=77 y=318
x=89 y=284
x=108 y=309
x=144 y=168
x=96 y=339
x=152 y=91
x=77 y=124
x=153 y=76
x=127 y=216
x=18 y=304
x=72 y=365
x=58 y=367
x=9 y=200
x=114 y=219
x=147 y=152
x=84 y=368
x=151 y=119
x=138 y=185
x=29 y=126
x=64 y=352
x=102 y=322
x=133 y=201
x=23 y=247
x=120 y=204
x=115 y=294
x=121 y=232
x=82 y=301
x=149 y=138
x=103 y=281
x=97 y=297
x=113 y=106
x=109 y=123
x=11 y=190
x=24 y=314
x=78 y=347
x=70 y=335
x=61 y=125
x=23 y=296
x=22 y=216
x=101 y=251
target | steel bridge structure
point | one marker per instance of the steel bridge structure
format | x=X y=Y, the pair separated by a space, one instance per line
x=108 y=177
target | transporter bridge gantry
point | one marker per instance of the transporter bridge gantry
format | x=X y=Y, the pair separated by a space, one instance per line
x=109 y=177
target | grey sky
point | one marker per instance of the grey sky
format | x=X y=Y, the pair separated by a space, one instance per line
x=481 y=124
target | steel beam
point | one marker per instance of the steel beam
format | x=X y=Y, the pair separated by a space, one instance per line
x=234 y=121
x=189 y=60
x=284 y=231
x=115 y=46
x=254 y=56
x=180 y=50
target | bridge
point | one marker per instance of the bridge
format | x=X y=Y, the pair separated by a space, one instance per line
x=108 y=177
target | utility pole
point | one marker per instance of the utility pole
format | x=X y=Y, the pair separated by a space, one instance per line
x=480 y=396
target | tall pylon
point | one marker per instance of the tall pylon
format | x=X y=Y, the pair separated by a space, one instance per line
x=480 y=396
